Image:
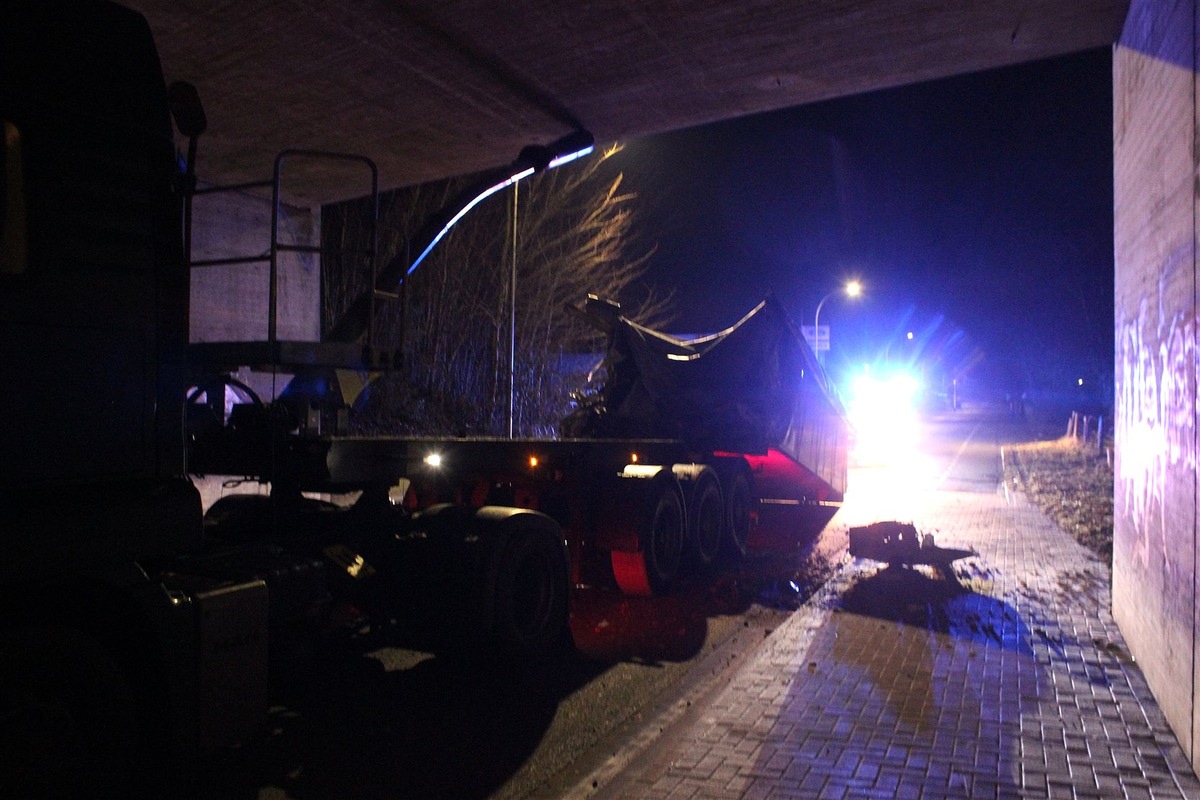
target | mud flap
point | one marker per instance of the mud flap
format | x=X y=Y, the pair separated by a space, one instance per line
x=629 y=569
x=661 y=532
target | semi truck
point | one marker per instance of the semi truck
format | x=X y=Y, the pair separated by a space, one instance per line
x=137 y=627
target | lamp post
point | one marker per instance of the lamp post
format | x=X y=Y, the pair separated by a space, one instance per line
x=852 y=289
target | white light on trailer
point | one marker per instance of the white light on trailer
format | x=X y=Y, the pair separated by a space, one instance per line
x=640 y=471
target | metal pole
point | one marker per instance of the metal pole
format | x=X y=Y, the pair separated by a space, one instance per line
x=817 y=326
x=512 y=323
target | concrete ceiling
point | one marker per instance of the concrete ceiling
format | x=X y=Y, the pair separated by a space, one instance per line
x=434 y=88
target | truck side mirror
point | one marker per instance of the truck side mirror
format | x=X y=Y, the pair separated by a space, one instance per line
x=186 y=109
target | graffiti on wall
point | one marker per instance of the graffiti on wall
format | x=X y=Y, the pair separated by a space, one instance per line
x=1155 y=423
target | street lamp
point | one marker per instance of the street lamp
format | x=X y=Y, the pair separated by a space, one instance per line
x=851 y=289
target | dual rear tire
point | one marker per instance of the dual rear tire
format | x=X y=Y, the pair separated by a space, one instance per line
x=706 y=516
x=692 y=519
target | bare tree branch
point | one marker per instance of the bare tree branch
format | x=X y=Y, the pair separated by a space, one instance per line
x=573 y=237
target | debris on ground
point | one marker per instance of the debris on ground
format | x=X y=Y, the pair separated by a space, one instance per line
x=900 y=543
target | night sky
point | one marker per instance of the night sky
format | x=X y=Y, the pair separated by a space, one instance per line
x=977 y=212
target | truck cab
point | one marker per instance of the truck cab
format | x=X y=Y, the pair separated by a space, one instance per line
x=106 y=655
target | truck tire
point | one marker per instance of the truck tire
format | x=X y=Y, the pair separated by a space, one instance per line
x=240 y=518
x=705 y=519
x=737 y=516
x=69 y=718
x=528 y=593
x=662 y=538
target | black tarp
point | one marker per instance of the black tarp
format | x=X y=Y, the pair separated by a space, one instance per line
x=750 y=388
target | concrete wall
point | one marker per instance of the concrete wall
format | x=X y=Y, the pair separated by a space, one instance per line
x=1155 y=127
x=229 y=303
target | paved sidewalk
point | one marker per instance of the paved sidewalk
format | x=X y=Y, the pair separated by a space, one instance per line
x=1006 y=679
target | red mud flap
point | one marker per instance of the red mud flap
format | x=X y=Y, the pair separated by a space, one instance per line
x=630 y=571
x=900 y=543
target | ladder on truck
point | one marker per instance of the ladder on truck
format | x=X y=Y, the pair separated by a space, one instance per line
x=290 y=355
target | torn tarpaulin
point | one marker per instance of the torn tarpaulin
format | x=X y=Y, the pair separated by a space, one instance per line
x=751 y=388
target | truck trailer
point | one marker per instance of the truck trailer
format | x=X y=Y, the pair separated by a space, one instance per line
x=659 y=471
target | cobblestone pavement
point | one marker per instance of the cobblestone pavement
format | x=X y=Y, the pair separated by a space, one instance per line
x=1003 y=676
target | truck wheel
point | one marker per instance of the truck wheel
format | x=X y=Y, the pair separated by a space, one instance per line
x=662 y=539
x=737 y=517
x=240 y=518
x=706 y=521
x=68 y=717
x=529 y=604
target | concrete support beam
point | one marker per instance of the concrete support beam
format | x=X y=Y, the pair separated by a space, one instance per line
x=230 y=303
x=1155 y=127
